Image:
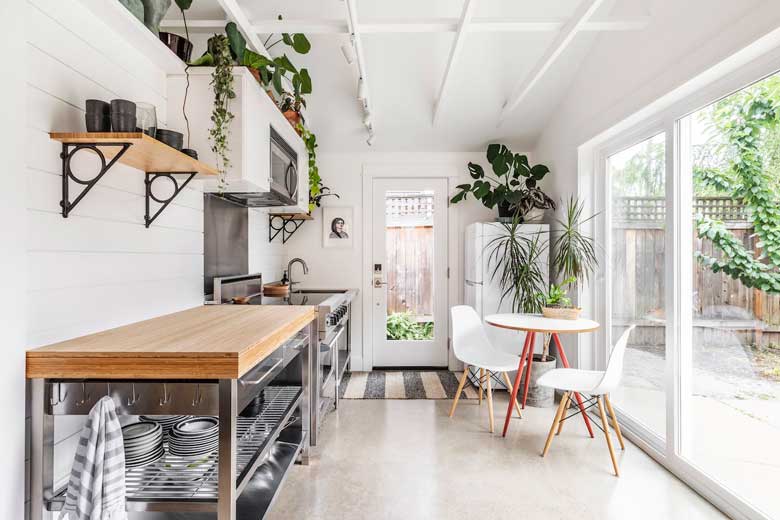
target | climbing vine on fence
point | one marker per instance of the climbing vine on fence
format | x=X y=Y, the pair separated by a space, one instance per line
x=745 y=120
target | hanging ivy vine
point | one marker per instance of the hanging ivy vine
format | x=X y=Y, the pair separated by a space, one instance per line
x=221 y=116
x=745 y=120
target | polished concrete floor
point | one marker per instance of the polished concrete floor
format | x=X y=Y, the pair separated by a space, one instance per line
x=395 y=459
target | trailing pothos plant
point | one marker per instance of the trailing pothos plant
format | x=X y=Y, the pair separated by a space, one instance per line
x=221 y=116
x=317 y=189
x=513 y=186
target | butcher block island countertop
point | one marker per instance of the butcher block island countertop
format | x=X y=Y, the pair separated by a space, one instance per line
x=207 y=342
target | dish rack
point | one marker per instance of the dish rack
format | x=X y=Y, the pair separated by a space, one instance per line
x=254 y=452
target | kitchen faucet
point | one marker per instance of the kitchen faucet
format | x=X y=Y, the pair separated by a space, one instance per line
x=289 y=269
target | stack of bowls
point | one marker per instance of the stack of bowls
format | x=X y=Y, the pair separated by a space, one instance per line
x=194 y=437
x=143 y=443
x=166 y=421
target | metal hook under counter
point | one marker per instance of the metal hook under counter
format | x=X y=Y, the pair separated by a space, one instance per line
x=133 y=398
x=166 y=398
x=84 y=394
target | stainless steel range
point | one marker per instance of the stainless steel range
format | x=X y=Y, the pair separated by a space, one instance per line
x=335 y=334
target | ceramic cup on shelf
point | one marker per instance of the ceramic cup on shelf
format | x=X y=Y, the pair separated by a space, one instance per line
x=146 y=118
x=98 y=116
x=123 y=116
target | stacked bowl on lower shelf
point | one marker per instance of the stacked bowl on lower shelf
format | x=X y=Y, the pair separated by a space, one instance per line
x=166 y=421
x=143 y=443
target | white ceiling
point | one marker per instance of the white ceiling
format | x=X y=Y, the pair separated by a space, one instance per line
x=405 y=70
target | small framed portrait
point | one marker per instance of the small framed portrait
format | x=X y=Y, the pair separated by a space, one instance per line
x=337 y=227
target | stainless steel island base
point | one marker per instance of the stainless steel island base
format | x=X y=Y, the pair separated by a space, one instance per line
x=240 y=479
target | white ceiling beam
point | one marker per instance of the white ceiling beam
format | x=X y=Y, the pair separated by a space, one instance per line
x=430 y=25
x=582 y=14
x=235 y=13
x=457 y=46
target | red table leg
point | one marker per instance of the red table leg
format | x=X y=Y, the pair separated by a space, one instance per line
x=516 y=385
x=565 y=363
x=528 y=363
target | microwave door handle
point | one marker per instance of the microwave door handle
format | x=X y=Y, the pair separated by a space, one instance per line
x=291 y=184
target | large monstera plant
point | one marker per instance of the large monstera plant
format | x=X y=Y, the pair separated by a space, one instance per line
x=512 y=187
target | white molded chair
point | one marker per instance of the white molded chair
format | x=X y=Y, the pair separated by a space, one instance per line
x=597 y=384
x=472 y=346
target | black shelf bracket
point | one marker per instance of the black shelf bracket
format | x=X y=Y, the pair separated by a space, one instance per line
x=279 y=224
x=68 y=151
x=150 y=196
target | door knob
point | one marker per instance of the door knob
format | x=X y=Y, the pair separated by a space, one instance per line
x=379 y=283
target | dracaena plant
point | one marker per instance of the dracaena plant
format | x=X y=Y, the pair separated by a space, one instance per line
x=513 y=183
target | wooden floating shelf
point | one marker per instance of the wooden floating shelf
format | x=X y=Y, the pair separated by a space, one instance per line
x=146 y=153
x=293 y=216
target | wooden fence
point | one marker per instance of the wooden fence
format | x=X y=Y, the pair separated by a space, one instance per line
x=719 y=302
x=410 y=269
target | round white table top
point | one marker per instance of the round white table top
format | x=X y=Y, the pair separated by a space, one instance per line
x=538 y=323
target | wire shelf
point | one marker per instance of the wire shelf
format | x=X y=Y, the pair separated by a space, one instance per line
x=176 y=479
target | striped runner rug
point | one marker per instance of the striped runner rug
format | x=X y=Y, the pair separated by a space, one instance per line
x=403 y=384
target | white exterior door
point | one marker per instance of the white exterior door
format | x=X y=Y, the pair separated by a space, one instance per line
x=409 y=265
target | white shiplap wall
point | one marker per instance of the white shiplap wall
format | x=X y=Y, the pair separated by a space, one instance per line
x=101 y=268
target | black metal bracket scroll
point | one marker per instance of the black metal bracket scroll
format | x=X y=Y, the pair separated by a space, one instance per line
x=68 y=151
x=274 y=228
x=149 y=180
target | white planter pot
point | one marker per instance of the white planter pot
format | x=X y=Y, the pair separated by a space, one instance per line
x=535 y=216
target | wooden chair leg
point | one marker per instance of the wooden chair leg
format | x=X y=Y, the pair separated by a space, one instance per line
x=615 y=422
x=555 y=423
x=490 y=401
x=567 y=399
x=605 y=425
x=462 y=383
x=481 y=380
x=511 y=390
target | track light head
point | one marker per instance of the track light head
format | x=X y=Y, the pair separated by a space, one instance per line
x=348 y=52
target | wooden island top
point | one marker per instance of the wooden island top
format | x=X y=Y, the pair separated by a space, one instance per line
x=206 y=342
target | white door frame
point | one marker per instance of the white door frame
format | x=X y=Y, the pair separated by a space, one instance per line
x=394 y=171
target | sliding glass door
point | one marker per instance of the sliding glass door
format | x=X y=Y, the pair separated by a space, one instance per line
x=637 y=186
x=692 y=237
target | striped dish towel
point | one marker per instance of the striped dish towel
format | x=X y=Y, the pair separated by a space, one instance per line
x=96 y=490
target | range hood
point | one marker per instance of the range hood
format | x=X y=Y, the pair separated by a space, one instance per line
x=257 y=200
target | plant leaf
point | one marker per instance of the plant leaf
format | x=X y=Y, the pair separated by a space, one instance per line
x=476 y=171
x=237 y=41
x=300 y=43
x=305 y=81
x=207 y=60
x=284 y=62
x=184 y=4
x=492 y=152
x=539 y=171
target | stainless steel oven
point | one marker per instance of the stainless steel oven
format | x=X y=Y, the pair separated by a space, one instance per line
x=332 y=359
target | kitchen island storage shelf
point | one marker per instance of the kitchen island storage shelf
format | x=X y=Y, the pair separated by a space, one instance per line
x=277 y=223
x=160 y=485
x=211 y=360
x=156 y=159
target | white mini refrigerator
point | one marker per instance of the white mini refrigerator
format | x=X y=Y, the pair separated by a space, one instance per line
x=483 y=293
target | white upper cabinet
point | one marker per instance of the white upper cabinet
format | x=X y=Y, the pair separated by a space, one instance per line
x=250 y=132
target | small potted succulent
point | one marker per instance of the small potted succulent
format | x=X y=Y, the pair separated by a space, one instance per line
x=513 y=188
x=557 y=303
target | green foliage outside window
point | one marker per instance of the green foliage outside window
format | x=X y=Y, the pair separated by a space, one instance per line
x=747 y=122
x=403 y=326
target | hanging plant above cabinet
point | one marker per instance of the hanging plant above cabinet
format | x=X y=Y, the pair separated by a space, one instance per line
x=317 y=189
x=221 y=116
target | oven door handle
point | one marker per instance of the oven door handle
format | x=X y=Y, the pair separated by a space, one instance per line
x=339 y=331
x=263 y=377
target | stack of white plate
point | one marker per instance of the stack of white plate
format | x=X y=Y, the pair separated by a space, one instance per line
x=194 y=437
x=166 y=421
x=143 y=443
